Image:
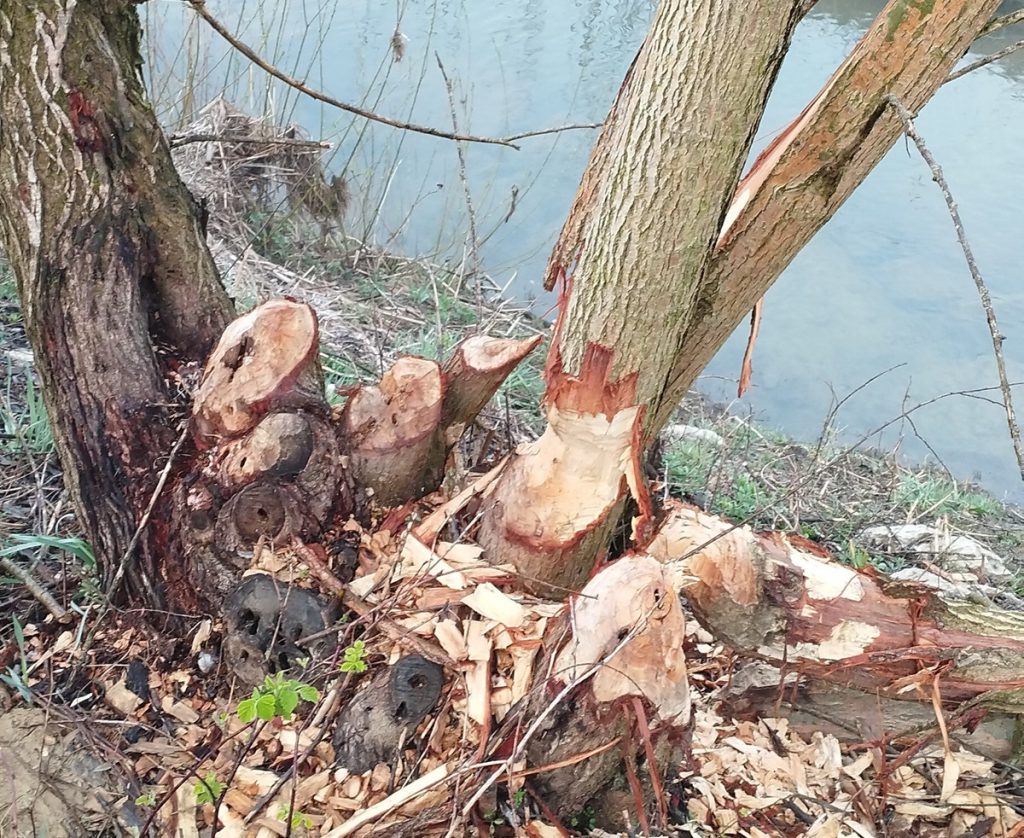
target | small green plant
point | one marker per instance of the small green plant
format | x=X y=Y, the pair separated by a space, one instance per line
x=585 y=821
x=17 y=676
x=519 y=798
x=355 y=658
x=20 y=542
x=298 y=820
x=147 y=799
x=276 y=697
x=208 y=789
x=855 y=556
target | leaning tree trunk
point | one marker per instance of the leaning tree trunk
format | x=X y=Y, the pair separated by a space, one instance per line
x=119 y=293
x=658 y=267
x=800 y=181
x=641 y=231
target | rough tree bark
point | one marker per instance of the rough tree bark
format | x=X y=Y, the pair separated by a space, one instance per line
x=119 y=293
x=669 y=160
x=659 y=267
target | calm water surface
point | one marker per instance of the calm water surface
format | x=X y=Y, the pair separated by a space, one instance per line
x=883 y=284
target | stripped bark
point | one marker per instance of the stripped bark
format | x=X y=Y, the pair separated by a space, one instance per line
x=641 y=229
x=783 y=600
x=799 y=182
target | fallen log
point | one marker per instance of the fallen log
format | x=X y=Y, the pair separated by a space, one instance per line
x=783 y=600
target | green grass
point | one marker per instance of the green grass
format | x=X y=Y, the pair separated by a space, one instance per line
x=934 y=495
x=24 y=425
x=8 y=285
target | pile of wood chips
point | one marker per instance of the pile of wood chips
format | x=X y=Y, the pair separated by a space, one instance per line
x=749 y=778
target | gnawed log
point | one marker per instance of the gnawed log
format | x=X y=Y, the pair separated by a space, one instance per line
x=272 y=469
x=265 y=360
x=759 y=690
x=610 y=722
x=393 y=432
x=473 y=375
x=780 y=598
x=399 y=432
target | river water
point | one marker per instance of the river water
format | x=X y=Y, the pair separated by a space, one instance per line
x=883 y=285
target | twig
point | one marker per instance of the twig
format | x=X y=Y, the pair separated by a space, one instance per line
x=33 y=586
x=474 y=256
x=986 y=300
x=981 y=62
x=144 y=521
x=998 y=23
x=178 y=140
x=199 y=6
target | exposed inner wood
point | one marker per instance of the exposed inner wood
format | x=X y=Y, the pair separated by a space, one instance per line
x=473 y=374
x=556 y=491
x=781 y=599
x=266 y=360
x=393 y=431
x=279 y=446
x=625 y=645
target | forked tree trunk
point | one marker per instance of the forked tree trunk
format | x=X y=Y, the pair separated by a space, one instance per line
x=800 y=181
x=669 y=159
x=659 y=266
x=119 y=293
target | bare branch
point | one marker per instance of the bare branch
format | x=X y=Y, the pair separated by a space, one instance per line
x=998 y=23
x=33 y=586
x=199 y=6
x=981 y=62
x=178 y=140
x=972 y=266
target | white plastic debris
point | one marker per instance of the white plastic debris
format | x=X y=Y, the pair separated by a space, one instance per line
x=961 y=556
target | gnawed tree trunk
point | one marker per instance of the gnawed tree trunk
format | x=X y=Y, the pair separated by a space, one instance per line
x=119 y=293
x=837 y=634
x=659 y=267
x=670 y=159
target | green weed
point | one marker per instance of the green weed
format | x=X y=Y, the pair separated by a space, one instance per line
x=276 y=697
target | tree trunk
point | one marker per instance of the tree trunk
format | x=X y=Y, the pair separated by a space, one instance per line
x=658 y=271
x=119 y=293
x=799 y=182
x=641 y=233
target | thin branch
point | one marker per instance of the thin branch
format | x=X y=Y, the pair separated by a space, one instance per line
x=981 y=62
x=144 y=521
x=178 y=140
x=986 y=300
x=998 y=23
x=474 y=242
x=199 y=6
x=33 y=586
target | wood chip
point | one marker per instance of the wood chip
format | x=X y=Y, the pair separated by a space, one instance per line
x=489 y=602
